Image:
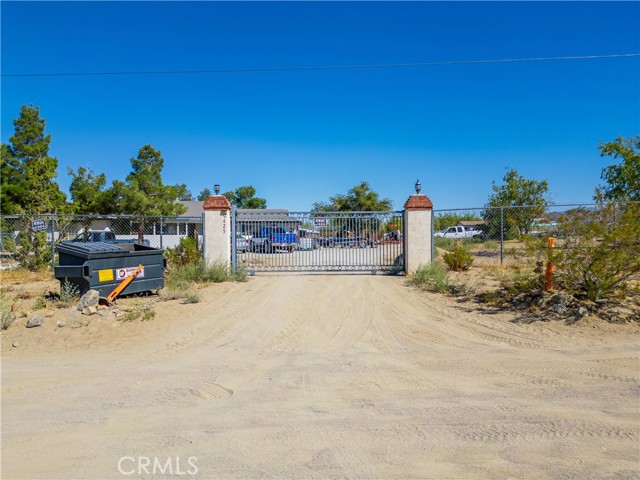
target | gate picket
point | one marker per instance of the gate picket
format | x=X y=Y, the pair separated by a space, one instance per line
x=278 y=240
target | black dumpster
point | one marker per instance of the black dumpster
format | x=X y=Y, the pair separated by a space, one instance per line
x=103 y=266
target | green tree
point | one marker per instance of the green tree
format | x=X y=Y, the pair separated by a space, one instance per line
x=12 y=178
x=359 y=198
x=88 y=196
x=184 y=194
x=88 y=193
x=524 y=201
x=244 y=197
x=622 y=180
x=29 y=168
x=28 y=185
x=204 y=194
x=144 y=193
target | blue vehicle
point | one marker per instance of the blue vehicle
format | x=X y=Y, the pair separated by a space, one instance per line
x=270 y=239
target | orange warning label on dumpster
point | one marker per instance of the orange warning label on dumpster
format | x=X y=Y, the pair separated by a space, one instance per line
x=105 y=275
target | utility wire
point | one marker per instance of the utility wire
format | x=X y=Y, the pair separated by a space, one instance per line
x=326 y=67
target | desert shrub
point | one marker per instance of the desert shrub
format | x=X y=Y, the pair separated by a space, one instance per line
x=68 y=294
x=432 y=277
x=7 y=316
x=240 y=275
x=145 y=311
x=180 y=276
x=39 y=303
x=600 y=250
x=167 y=294
x=444 y=243
x=185 y=253
x=192 y=297
x=449 y=244
x=459 y=259
x=522 y=282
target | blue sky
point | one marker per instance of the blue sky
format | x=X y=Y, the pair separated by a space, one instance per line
x=302 y=136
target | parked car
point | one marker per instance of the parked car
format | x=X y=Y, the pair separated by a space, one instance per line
x=243 y=243
x=544 y=228
x=268 y=239
x=351 y=242
x=355 y=241
x=104 y=236
x=459 y=232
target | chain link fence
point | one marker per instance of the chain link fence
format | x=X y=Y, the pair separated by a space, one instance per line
x=33 y=238
x=499 y=235
x=493 y=235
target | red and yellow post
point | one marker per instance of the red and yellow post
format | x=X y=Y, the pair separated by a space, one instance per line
x=548 y=284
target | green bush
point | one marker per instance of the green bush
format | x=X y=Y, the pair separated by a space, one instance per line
x=522 y=283
x=600 y=251
x=432 y=277
x=7 y=317
x=185 y=253
x=39 y=303
x=444 y=243
x=459 y=259
x=68 y=294
x=33 y=251
x=192 y=297
x=179 y=277
x=145 y=311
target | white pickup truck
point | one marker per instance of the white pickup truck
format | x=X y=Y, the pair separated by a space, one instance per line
x=459 y=231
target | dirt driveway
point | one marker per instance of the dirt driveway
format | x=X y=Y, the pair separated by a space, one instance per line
x=320 y=376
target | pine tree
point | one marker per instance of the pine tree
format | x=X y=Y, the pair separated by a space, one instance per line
x=28 y=185
x=30 y=168
x=143 y=193
x=204 y=194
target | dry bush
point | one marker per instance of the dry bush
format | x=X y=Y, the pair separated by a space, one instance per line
x=459 y=259
x=7 y=316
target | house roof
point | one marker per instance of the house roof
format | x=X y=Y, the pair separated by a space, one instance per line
x=470 y=223
x=194 y=209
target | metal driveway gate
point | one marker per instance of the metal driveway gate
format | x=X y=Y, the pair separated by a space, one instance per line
x=278 y=240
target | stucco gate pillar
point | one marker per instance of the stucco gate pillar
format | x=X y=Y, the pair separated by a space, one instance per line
x=418 y=237
x=217 y=230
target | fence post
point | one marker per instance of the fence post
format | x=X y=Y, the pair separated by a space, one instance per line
x=501 y=235
x=433 y=235
x=53 y=240
x=161 y=232
x=234 y=243
x=203 y=245
x=216 y=221
x=418 y=239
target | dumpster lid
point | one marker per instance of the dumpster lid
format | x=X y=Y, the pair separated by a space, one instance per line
x=89 y=247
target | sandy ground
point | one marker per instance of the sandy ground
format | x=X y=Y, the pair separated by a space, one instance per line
x=322 y=376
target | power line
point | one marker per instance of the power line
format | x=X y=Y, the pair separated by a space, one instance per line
x=326 y=67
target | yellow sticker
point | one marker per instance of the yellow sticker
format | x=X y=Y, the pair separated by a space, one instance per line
x=105 y=275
